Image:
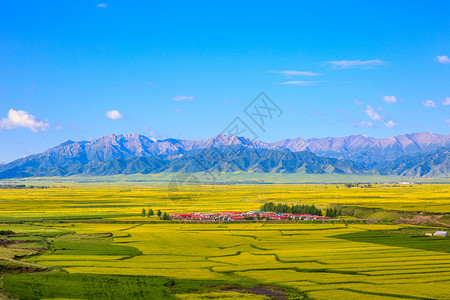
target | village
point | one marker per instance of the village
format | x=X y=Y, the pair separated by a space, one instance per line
x=244 y=216
x=230 y=216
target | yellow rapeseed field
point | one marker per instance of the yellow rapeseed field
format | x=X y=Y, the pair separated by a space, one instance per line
x=310 y=257
x=126 y=202
x=326 y=261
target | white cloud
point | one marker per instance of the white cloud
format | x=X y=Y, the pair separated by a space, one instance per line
x=357 y=102
x=182 y=98
x=446 y=101
x=298 y=82
x=20 y=118
x=443 y=59
x=389 y=124
x=149 y=131
x=177 y=110
x=366 y=124
x=429 y=103
x=351 y=64
x=380 y=117
x=114 y=114
x=296 y=73
x=390 y=99
x=448 y=122
x=370 y=111
x=102 y=5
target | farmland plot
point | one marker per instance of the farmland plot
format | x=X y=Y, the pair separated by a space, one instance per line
x=324 y=260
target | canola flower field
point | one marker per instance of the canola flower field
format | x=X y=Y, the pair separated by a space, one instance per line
x=324 y=261
x=125 y=202
x=94 y=244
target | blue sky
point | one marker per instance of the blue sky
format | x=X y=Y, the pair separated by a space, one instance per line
x=83 y=69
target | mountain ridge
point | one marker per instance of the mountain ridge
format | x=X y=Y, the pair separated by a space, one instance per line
x=374 y=154
x=339 y=147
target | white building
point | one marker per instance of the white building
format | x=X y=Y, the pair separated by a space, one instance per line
x=441 y=233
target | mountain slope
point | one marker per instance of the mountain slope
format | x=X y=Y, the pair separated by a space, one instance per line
x=134 y=153
x=222 y=159
x=112 y=147
x=432 y=164
x=368 y=149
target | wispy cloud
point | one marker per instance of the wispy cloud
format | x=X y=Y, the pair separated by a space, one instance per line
x=291 y=73
x=448 y=122
x=365 y=124
x=20 y=118
x=178 y=110
x=354 y=64
x=443 y=59
x=446 y=101
x=299 y=83
x=389 y=124
x=379 y=117
x=102 y=5
x=357 y=102
x=429 y=103
x=372 y=113
x=114 y=114
x=229 y=101
x=390 y=99
x=182 y=98
x=152 y=134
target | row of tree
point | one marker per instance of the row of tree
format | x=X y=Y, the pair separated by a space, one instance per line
x=293 y=209
x=350 y=185
x=150 y=212
x=21 y=186
x=333 y=213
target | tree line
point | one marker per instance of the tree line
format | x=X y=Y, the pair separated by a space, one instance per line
x=293 y=209
x=150 y=212
x=333 y=213
x=21 y=186
x=350 y=185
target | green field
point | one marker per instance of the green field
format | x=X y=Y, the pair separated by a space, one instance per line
x=90 y=242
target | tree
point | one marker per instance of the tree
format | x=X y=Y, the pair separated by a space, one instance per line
x=143 y=212
x=333 y=213
x=159 y=213
x=166 y=217
x=294 y=209
x=150 y=212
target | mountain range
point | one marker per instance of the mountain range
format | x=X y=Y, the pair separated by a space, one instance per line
x=417 y=154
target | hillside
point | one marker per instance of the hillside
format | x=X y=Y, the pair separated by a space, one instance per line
x=369 y=149
x=432 y=164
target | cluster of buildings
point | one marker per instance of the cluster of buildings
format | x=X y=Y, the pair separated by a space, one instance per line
x=242 y=216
